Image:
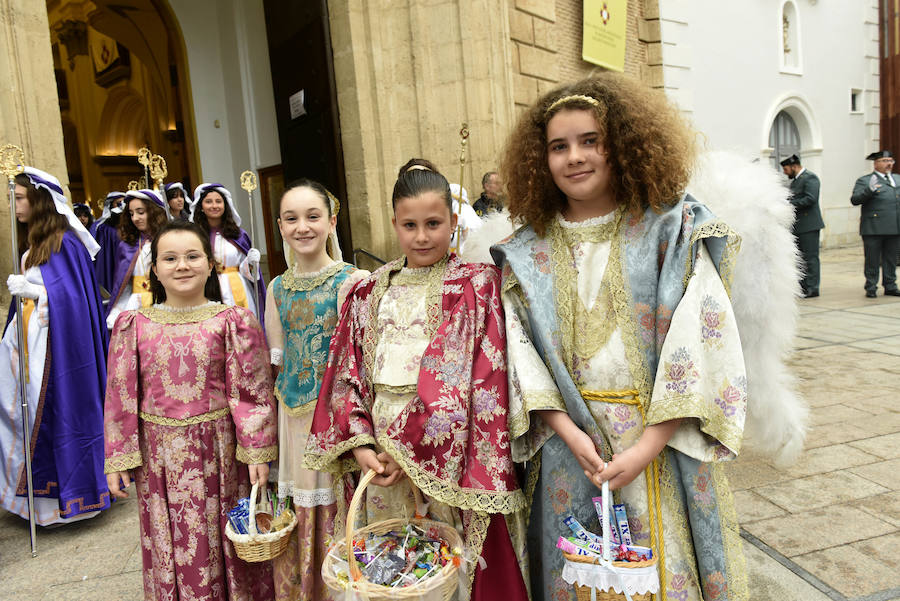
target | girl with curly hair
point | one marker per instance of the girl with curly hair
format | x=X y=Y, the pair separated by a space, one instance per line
x=237 y=262
x=65 y=362
x=624 y=358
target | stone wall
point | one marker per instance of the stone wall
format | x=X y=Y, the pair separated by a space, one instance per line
x=546 y=35
x=408 y=75
x=29 y=108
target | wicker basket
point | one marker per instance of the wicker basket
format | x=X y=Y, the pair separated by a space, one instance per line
x=443 y=585
x=588 y=593
x=583 y=593
x=254 y=547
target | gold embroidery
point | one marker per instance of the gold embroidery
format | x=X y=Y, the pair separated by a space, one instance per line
x=534 y=400
x=332 y=462
x=121 y=463
x=298 y=410
x=291 y=280
x=736 y=566
x=452 y=494
x=433 y=276
x=595 y=326
x=187 y=421
x=476 y=533
x=170 y=315
x=716 y=229
x=256 y=455
x=712 y=422
x=406 y=389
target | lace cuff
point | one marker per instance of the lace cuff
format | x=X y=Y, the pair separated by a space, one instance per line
x=122 y=463
x=256 y=455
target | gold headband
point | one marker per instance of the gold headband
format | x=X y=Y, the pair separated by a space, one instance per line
x=335 y=203
x=581 y=97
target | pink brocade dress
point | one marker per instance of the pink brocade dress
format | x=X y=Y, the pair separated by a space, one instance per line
x=188 y=404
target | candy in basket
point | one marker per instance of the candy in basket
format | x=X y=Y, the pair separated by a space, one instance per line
x=601 y=572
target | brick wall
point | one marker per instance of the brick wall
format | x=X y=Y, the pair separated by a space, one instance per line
x=546 y=45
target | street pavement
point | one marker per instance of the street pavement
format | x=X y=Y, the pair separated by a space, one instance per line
x=825 y=528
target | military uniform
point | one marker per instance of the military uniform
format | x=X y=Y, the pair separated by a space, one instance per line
x=807 y=223
x=879 y=226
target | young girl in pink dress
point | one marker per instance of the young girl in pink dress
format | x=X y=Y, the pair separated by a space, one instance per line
x=190 y=416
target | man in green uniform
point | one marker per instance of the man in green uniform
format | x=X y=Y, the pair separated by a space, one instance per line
x=879 y=196
x=807 y=220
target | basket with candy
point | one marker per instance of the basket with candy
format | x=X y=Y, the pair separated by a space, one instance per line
x=259 y=531
x=603 y=570
x=407 y=559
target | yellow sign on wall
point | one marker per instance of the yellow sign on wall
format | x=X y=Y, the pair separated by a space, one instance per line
x=604 y=33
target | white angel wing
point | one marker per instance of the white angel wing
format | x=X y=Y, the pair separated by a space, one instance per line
x=494 y=228
x=752 y=199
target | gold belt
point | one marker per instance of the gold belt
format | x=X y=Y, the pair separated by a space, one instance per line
x=187 y=421
x=651 y=472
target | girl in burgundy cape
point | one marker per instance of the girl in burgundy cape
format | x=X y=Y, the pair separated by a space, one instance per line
x=416 y=389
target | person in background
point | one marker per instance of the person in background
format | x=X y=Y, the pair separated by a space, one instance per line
x=65 y=362
x=237 y=262
x=106 y=232
x=489 y=201
x=807 y=220
x=84 y=214
x=878 y=196
x=175 y=197
x=145 y=212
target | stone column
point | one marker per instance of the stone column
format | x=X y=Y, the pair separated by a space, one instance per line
x=407 y=77
x=29 y=106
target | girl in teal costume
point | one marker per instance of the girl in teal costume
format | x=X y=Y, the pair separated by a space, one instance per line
x=624 y=358
x=302 y=309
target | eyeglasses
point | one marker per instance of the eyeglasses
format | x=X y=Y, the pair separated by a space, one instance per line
x=192 y=259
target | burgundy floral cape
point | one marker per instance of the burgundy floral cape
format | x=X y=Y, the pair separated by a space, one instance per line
x=452 y=439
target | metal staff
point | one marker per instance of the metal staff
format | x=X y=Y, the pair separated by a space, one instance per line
x=463 y=143
x=248 y=183
x=12 y=162
x=159 y=171
x=144 y=157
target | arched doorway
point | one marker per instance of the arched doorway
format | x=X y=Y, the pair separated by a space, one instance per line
x=122 y=82
x=784 y=138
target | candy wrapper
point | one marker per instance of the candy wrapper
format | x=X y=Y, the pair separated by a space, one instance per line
x=402 y=557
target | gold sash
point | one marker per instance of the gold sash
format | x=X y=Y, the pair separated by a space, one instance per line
x=236 y=283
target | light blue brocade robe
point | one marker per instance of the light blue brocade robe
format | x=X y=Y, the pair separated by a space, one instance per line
x=622 y=304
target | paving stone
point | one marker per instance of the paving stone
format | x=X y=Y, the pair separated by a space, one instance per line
x=814 y=530
x=124 y=587
x=821 y=490
x=885 y=473
x=751 y=474
x=829 y=459
x=752 y=507
x=887 y=423
x=859 y=569
x=836 y=413
x=885 y=507
x=768 y=579
x=835 y=433
x=886 y=447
